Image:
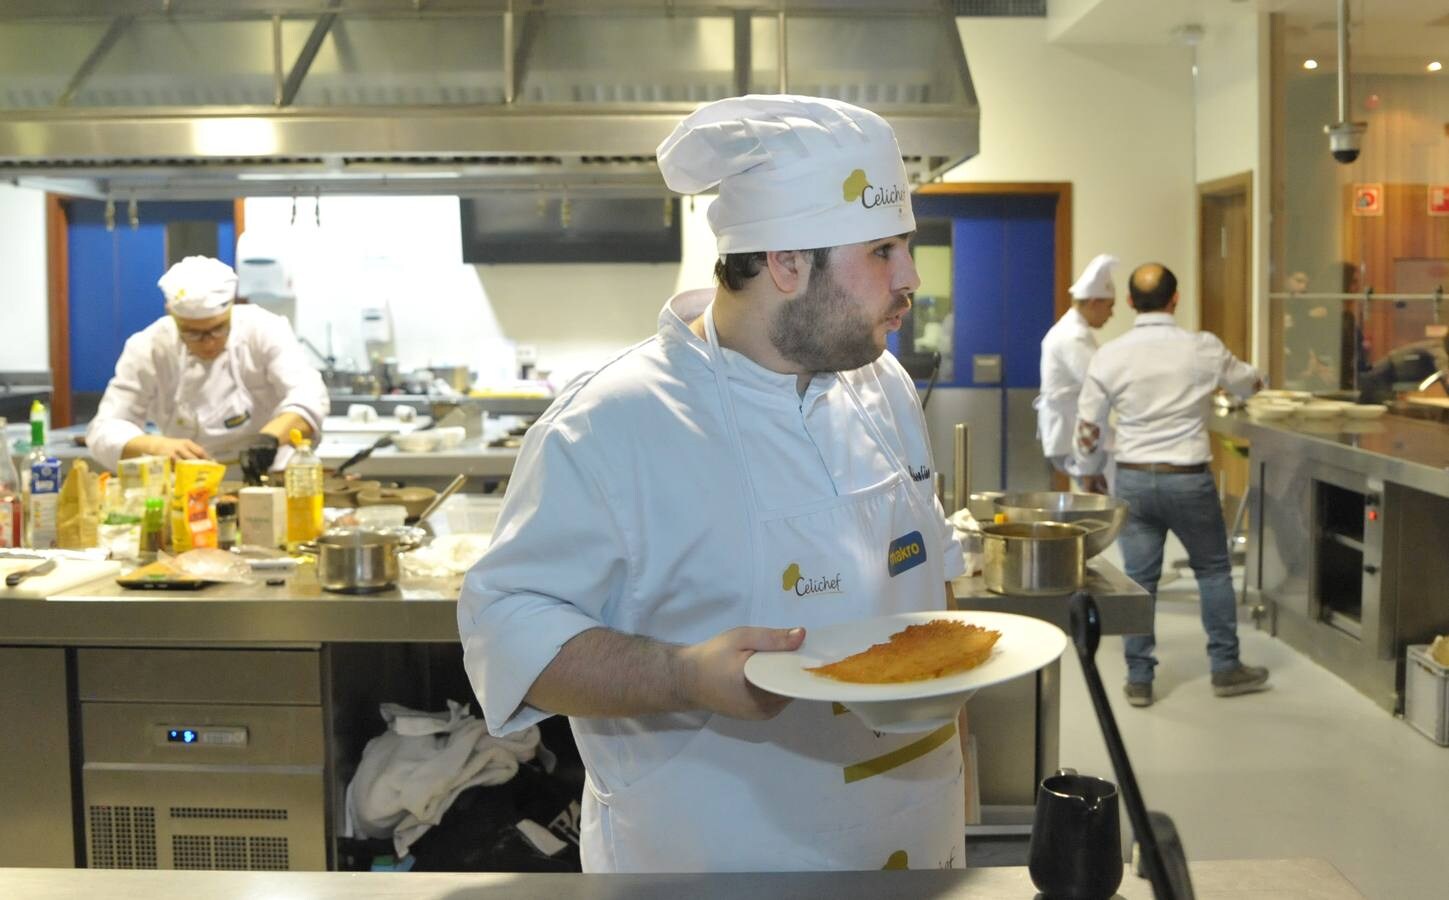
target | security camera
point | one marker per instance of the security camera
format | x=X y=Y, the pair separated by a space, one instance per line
x=1345 y=140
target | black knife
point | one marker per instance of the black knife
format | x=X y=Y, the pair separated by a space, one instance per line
x=15 y=578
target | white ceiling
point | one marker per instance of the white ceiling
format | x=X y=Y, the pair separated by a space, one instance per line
x=1386 y=35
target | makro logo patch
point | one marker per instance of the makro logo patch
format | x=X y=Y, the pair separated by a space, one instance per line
x=906 y=553
x=857 y=186
x=792 y=579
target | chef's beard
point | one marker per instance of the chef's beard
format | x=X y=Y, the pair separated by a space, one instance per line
x=823 y=331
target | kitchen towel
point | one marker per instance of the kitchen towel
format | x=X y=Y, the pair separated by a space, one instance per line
x=410 y=774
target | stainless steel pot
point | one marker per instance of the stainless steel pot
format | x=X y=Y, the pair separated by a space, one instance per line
x=357 y=560
x=1101 y=515
x=1033 y=559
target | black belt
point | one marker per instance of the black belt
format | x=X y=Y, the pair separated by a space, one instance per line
x=1165 y=468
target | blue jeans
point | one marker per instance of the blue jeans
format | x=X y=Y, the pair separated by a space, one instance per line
x=1187 y=505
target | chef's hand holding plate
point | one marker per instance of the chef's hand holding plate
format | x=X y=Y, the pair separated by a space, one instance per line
x=712 y=673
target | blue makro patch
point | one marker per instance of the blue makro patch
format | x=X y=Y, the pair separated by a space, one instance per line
x=906 y=553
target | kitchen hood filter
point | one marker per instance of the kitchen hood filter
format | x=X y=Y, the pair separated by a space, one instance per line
x=211 y=99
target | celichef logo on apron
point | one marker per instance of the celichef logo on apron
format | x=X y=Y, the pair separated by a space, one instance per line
x=857 y=186
x=906 y=552
x=803 y=586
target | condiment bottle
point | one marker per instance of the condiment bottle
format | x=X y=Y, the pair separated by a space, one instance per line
x=304 y=494
x=226 y=523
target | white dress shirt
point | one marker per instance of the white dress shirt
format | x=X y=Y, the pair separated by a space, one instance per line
x=1159 y=379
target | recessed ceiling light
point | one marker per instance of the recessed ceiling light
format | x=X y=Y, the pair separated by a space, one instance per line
x=1434 y=66
x=1310 y=64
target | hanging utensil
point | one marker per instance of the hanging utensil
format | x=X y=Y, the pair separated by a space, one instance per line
x=447 y=492
x=1162 y=857
x=452 y=417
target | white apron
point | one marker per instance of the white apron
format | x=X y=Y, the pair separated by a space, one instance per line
x=212 y=406
x=812 y=788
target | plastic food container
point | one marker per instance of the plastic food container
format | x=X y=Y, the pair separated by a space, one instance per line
x=1426 y=695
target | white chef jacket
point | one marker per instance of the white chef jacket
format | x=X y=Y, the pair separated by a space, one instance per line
x=1066 y=350
x=626 y=509
x=1160 y=380
x=218 y=403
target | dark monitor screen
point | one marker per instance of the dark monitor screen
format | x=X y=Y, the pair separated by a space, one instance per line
x=522 y=228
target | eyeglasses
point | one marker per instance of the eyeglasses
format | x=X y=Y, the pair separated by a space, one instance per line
x=193 y=336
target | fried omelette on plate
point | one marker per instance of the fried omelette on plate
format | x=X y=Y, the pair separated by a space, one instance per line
x=937 y=648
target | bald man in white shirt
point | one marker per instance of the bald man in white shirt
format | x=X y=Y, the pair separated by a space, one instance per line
x=1160 y=379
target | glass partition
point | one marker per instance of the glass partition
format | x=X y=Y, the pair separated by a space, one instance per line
x=1360 y=250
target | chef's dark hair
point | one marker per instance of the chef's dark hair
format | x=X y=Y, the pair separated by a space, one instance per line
x=1158 y=297
x=734 y=269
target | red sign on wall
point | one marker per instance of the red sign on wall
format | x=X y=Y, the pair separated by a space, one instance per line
x=1368 y=199
x=1439 y=199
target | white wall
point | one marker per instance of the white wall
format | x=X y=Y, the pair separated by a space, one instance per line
x=406 y=252
x=24 y=311
x=1232 y=100
x=579 y=315
x=1115 y=121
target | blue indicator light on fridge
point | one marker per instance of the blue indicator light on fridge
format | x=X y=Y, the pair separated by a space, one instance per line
x=181 y=736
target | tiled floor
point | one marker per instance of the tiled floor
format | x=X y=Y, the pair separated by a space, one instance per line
x=1308 y=768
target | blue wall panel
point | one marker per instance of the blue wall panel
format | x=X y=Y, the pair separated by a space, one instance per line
x=1030 y=224
x=113 y=275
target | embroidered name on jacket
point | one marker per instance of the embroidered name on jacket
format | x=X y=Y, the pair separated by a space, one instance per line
x=919 y=473
x=906 y=552
x=792 y=579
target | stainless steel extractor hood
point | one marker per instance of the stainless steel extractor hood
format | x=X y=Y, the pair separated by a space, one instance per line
x=188 y=99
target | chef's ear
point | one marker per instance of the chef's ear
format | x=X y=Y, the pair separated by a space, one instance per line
x=788 y=270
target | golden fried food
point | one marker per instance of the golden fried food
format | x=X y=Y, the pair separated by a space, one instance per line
x=937 y=648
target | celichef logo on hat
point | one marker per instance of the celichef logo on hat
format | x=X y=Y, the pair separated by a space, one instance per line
x=793 y=580
x=858 y=187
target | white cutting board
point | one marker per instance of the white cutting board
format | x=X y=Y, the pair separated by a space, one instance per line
x=67 y=574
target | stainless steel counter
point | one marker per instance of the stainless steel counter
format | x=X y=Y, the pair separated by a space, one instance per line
x=1411 y=452
x=473 y=458
x=298 y=612
x=1346 y=549
x=418 y=611
x=1302 y=879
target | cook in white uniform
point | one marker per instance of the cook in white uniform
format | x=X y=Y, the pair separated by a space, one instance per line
x=1066 y=350
x=220 y=381
x=714 y=491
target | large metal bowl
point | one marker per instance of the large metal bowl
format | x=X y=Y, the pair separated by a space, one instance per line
x=1073 y=509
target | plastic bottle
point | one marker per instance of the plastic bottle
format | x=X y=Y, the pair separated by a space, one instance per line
x=151 y=526
x=304 y=494
x=12 y=530
x=39 y=414
x=42 y=504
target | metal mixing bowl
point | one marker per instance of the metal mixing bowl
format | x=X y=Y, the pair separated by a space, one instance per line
x=1073 y=509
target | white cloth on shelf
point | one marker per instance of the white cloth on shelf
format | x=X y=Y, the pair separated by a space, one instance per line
x=411 y=774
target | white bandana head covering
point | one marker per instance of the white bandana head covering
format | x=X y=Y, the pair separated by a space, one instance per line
x=198 y=287
x=794 y=173
x=1096 y=279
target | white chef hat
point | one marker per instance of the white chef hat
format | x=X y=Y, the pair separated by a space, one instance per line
x=1096 y=279
x=794 y=173
x=198 y=287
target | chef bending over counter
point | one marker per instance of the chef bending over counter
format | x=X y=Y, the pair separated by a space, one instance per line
x=221 y=380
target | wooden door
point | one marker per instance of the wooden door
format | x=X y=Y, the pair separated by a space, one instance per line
x=1225 y=261
x=1225 y=265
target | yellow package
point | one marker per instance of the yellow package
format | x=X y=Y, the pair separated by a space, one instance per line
x=78 y=521
x=196 y=483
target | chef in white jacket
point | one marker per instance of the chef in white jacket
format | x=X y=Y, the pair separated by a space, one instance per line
x=220 y=381
x=757 y=468
x=1066 y=350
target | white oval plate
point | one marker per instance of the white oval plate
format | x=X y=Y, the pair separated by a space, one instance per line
x=1026 y=644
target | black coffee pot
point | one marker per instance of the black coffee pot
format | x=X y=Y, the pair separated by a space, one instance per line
x=1076 y=838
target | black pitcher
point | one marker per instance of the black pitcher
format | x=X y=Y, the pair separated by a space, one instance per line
x=1076 y=839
